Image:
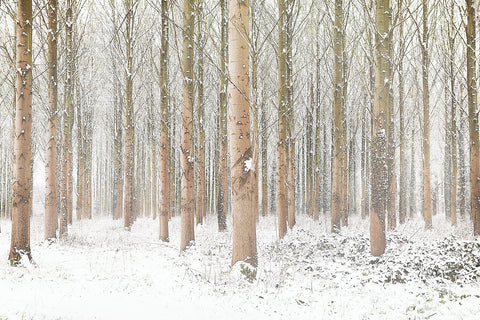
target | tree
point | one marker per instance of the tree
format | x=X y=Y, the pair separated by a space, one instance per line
x=338 y=202
x=244 y=213
x=201 y=184
x=129 y=151
x=164 y=129
x=427 y=192
x=51 y=156
x=282 y=145
x=473 y=116
x=187 y=157
x=223 y=190
x=379 y=134
x=22 y=182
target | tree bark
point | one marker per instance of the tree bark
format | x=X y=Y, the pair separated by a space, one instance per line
x=51 y=214
x=282 y=145
x=165 y=190
x=201 y=183
x=244 y=234
x=379 y=134
x=223 y=191
x=187 y=158
x=427 y=192
x=22 y=182
x=129 y=151
x=339 y=192
x=473 y=117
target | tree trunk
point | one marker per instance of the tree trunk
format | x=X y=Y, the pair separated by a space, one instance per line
x=244 y=234
x=129 y=152
x=282 y=146
x=201 y=185
x=427 y=192
x=222 y=205
x=453 y=122
x=413 y=193
x=339 y=153
x=290 y=114
x=51 y=156
x=473 y=117
x=22 y=181
x=165 y=177
x=379 y=135
x=402 y=210
x=187 y=158
x=392 y=184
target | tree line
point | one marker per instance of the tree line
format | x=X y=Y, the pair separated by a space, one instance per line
x=216 y=107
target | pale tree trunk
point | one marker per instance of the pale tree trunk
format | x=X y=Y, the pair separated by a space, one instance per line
x=379 y=134
x=462 y=168
x=129 y=151
x=427 y=191
x=154 y=182
x=391 y=195
x=22 y=181
x=244 y=234
x=310 y=149
x=165 y=181
x=187 y=157
x=453 y=118
x=413 y=199
x=80 y=167
x=264 y=160
x=339 y=170
x=317 y=172
x=118 y=157
x=402 y=210
x=201 y=185
x=290 y=115
x=254 y=107
x=473 y=117
x=69 y=114
x=88 y=137
x=282 y=145
x=223 y=170
x=51 y=156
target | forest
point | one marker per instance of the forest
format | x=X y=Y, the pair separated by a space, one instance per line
x=263 y=159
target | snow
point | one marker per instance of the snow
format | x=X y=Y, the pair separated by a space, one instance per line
x=247 y=165
x=104 y=272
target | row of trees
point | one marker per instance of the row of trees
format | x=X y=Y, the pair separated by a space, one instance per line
x=145 y=130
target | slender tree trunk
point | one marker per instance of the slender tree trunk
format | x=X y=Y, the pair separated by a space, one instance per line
x=379 y=134
x=129 y=152
x=51 y=156
x=402 y=207
x=187 y=157
x=473 y=117
x=165 y=177
x=427 y=191
x=339 y=173
x=453 y=123
x=392 y=183
x=22 y=182
x=222 y=205
x=201 y=185
x=244 y=234
x=282 y=146
x=80 y=167
x=264 y=137
x=254 y=108
x=413 y=199
x=290 y=114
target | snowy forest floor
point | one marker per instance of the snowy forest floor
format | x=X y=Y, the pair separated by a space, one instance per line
x=104 y=272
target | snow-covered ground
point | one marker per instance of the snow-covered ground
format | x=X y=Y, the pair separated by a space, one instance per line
x=104 y=272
